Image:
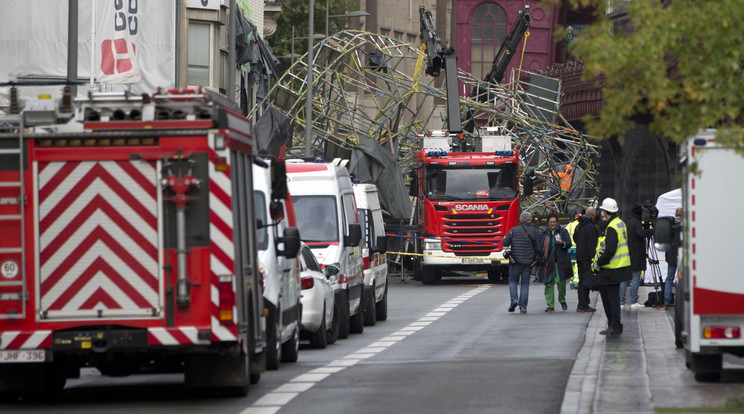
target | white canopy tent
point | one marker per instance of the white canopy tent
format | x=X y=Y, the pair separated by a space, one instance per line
x=667 y=203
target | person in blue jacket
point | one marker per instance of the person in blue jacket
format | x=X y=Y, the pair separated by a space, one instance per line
x=555 y=242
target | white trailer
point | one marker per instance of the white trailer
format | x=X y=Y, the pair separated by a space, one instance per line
x=709 y=313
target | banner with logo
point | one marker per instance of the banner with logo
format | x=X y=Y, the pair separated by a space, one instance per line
x=117 y=38
x=33 y=41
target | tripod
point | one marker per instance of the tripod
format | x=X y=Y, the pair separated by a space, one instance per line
x=653 y=261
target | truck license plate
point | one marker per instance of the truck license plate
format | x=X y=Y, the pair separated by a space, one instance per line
x=22 y=356
x=473 y=261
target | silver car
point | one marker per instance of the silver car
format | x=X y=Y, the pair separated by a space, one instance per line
x=320 y=322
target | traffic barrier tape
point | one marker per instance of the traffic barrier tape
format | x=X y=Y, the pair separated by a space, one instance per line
x=447 y=239
x=448 y=257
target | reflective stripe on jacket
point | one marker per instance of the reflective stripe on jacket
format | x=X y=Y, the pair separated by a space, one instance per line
x=621 y=258
x=571 y=229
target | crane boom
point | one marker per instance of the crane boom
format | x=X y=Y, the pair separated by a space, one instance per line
x=508 y=47
x=438 y=57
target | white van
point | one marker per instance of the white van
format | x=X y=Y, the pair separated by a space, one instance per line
x=328 y=222
x=373 y=252
x=278 y=246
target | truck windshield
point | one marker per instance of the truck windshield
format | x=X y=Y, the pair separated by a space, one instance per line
x=446 y=183
x=317 y=218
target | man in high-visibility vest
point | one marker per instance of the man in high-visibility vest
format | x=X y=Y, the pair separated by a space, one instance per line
x=612 y=263
x=571 y=229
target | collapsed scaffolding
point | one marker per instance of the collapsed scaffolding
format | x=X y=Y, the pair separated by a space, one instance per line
x=369 y=86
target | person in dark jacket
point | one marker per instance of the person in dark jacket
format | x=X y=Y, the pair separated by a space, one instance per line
x=612 y=262
x=637 y=244
x=671 y=257
x=523 y=242
x=585 y=236
x=555 y=242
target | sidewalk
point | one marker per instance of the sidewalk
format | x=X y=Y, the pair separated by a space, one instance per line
x=639 y=370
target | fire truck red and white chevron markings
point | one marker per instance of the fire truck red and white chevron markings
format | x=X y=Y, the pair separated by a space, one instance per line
x=174 y=336
x=222 y=259
x=25 y=340
x=98 y=238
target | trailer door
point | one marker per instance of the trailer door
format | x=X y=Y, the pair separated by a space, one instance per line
x=98 y=239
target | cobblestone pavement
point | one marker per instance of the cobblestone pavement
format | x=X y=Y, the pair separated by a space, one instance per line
x=641 y=370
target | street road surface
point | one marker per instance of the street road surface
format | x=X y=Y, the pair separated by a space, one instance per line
x=446 y=348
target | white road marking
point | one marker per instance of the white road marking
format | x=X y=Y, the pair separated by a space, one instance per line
x=295 y=387
x=309 y=378
x=275 y=400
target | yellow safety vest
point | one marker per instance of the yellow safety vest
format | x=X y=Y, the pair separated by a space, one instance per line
x=621 y=258
x=571 y=228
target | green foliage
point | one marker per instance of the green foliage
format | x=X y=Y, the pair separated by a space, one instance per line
x=678 y=64
x=295 y=13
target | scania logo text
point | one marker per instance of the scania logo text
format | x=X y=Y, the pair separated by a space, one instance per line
x=471 y=207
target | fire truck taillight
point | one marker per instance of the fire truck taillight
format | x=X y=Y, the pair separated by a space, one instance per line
x=366 y=263
x=722 y=332
x=220 y=163
x=227 y=300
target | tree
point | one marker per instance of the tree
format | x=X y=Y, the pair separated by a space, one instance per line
x=295 y=13
x=677 y=63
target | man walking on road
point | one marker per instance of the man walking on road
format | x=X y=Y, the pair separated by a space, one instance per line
x=612 y=262
x=523 y=242
x=585 y=236
x=555 y=242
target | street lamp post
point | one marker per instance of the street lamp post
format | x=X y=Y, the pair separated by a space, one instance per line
x=355 y=13
x=309 y=98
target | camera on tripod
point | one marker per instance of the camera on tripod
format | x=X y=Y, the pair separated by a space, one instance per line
x=649 y=214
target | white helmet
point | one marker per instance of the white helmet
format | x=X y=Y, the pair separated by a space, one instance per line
x=609 y=205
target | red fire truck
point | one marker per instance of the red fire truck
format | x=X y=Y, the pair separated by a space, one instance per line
x=466 y=202
x=129 y=241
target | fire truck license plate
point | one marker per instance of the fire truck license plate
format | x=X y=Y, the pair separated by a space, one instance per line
x=474 y=261
x=22 y=356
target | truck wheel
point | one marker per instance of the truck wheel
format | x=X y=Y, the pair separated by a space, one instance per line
x=227 y=373
x=291 y=348
x=333 y=330
x=431 y=275
x=494 y=274
x=273 y=340
x=707 y=368
x=242 y=370
x=679 y=318
x=370 y=311
x=418 y=270
x=381 y=306
x=344 y=316
x=357 y=320
x=319 y=339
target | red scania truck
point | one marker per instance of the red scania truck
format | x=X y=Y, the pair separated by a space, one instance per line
x=129 y=241
x=466 y=202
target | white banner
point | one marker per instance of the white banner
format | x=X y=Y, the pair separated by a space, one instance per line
x=33 y=42
x=117 y=38
x=204 y=4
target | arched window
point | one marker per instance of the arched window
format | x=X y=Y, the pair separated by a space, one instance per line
x=488 y=31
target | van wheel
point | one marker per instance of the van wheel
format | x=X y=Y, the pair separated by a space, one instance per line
x=291 y=348
x=357 y=320
x=333 y=330
x=381 y=306
x=344 y=316
x=319 y=339
x=370 y=317
x=273 y=340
